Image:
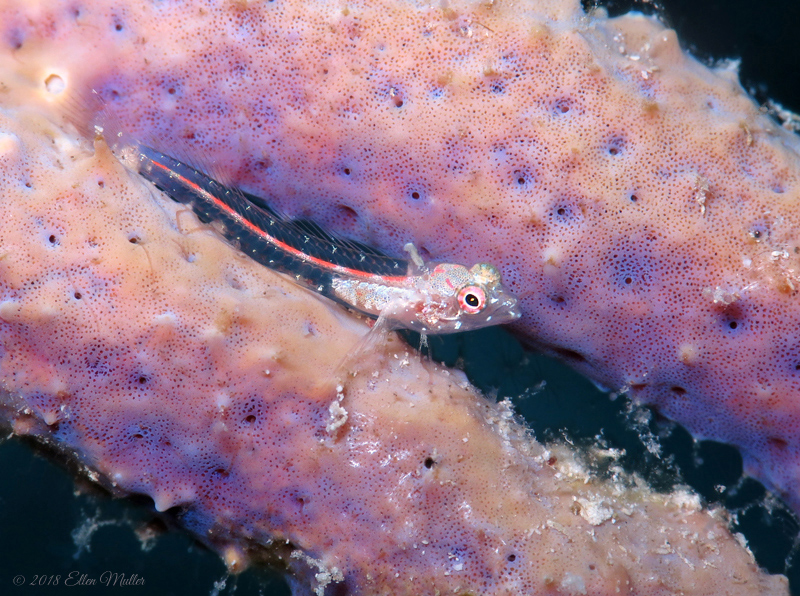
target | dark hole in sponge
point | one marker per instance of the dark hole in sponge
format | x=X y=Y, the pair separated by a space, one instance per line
x=570 y=355
x=616 y=146
x=429 y=462
x=562 y=105
x=337 y=589
x=347 y=212
x=778 y=442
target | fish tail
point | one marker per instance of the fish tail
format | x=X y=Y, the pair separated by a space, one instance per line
x=89 y=114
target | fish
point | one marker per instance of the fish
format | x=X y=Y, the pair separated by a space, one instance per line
x=400 y=293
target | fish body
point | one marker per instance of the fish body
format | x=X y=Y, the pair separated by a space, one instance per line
x=405 y=294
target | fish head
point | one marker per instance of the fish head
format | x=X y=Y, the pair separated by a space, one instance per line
x=462 y=299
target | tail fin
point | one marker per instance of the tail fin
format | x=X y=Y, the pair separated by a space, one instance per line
x=88 y=113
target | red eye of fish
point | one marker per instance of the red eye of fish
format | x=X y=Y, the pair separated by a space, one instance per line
x=472 y=299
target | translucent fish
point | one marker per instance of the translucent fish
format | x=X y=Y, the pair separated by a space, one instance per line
x=402 y=294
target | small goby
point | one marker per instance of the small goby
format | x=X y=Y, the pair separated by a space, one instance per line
x=434 y=298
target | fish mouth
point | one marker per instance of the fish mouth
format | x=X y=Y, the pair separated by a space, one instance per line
x=503 y=310
x=511 y=309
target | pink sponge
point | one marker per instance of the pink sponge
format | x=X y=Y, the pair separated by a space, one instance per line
x=638 y=203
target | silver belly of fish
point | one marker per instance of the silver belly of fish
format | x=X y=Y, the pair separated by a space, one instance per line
x=371 y=297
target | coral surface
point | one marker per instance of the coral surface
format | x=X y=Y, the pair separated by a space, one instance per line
x=171 y=366
x=638 y=203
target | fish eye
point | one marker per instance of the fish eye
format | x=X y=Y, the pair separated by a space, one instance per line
x=472 y=299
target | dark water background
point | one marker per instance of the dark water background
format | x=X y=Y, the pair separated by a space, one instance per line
x=50 y=527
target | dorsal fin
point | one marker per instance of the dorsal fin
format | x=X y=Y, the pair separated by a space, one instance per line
x=91 y=116
x=314 y=240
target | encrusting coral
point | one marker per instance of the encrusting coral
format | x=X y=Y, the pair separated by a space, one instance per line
x=637 y=202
